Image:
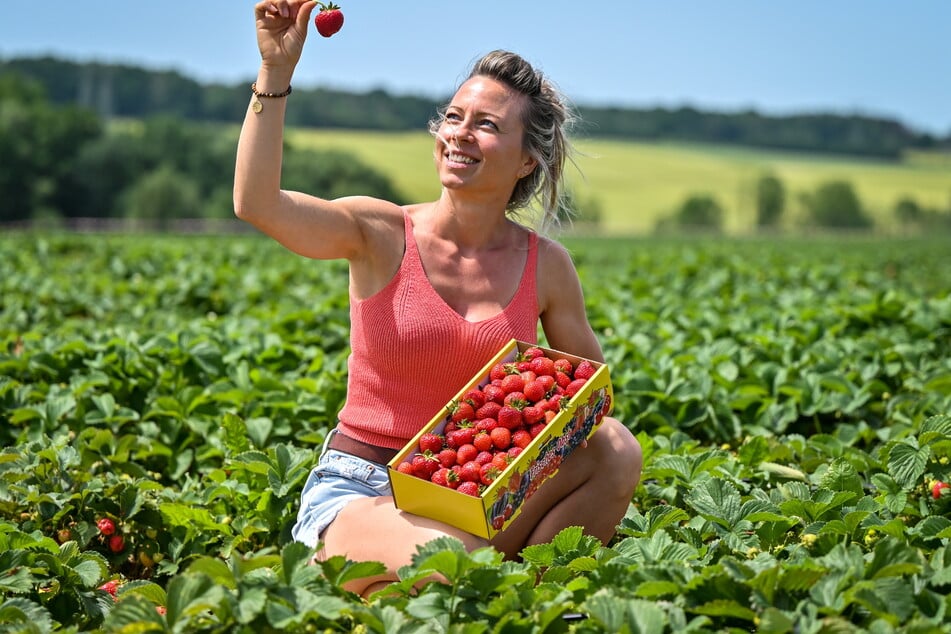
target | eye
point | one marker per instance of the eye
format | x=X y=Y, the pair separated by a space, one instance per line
x=452 y=116
x=489 y=123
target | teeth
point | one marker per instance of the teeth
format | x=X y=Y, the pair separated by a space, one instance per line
x=459 y=158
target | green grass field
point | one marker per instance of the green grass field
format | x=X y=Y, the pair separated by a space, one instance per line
x=637 y=183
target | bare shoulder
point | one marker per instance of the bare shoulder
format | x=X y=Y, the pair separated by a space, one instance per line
x=554 y=258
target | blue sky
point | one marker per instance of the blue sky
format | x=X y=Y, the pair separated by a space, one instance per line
x=876 y=57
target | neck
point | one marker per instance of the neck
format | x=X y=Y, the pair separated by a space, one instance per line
x=470 y=224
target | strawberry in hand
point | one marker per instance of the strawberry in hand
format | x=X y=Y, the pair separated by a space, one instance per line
x=329 y=19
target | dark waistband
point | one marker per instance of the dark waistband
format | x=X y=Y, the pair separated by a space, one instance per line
x=373 y=453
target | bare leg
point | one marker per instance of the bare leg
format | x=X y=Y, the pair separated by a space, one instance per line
x=373 y=529
x=592 y=489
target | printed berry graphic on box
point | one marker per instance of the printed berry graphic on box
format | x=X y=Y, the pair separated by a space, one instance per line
x=501 y=437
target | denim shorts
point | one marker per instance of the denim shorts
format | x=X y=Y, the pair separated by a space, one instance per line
x=338 y=479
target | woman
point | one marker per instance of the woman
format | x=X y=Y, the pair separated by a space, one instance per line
x=436 y=288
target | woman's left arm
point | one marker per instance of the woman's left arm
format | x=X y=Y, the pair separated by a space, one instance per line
x=561 y=304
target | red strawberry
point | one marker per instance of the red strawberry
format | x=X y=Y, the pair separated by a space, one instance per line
x=471 y=471
x=462 y=411
x=488 y=473
x=501 y=460
x=430 y=442
x=562 y=379
x=547 y=381
x=513 y=383
x=509 y=417
x=489 y=410
x=537 y=428
x=474 y=397
x=484 y=456
x=110 y=586
x=493 y=394
x=406 y=467
x=938 y=488
x=487 y=424
x=501 y=437
x=482 y=441
x=533 y=414
x=106 y=526
x=533 y=352
x=329 y=19
x=534 y=391
x=116 y=543
x=501 y=370
x=466 y=453
x=425 y=466
x=522 y=438
x=469 y=488
x=543 y=366
x=585 y=370
x=575 y=386
x=446 y=457
x=563 y=365
x=516 y=400
x=445 y=478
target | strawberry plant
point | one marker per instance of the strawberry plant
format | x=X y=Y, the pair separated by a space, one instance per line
x=793 y=402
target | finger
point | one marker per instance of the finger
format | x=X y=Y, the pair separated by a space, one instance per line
x=303 y=14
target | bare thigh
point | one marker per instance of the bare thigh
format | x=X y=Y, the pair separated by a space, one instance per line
x=373 y=529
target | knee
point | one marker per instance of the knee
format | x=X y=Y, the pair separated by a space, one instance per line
x=623 y=458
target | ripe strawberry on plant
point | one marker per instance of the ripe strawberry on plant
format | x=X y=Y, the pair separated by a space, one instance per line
x=938 y=488
x=106 y=526
x=116 y=543
x=329 y=19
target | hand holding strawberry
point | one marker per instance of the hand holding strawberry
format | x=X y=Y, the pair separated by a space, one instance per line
x=281 y=29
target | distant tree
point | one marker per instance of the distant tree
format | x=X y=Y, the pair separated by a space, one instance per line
x=908 y=211
x=163 y=196
x=38 y=144
x=700 y=212
x=578 y=212
x=332 y=174
x=770 y=201
x=835 y=205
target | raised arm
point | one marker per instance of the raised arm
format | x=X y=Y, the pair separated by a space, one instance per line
x=304 y=223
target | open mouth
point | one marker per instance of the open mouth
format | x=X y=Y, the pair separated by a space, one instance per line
x=456 y=157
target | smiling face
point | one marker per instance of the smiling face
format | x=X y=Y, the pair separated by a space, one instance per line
x=479 y=144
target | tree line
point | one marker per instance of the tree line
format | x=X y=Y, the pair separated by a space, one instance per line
x=116 y=90
x=60 y=163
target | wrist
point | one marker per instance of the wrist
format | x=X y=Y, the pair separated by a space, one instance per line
x=274 y=79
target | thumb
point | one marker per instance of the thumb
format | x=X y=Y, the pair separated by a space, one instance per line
x=303 y=15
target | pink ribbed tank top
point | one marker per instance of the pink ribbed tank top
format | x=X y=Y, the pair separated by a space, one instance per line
x=411 y=352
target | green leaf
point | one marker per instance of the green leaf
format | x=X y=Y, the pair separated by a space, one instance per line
x=716 y=500
x=907 y=462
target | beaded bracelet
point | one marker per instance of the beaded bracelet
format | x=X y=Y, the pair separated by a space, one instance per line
x=256 y=105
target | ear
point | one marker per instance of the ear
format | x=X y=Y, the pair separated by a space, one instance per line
x=528 y=166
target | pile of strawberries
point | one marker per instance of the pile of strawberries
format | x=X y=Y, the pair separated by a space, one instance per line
x=493 y=423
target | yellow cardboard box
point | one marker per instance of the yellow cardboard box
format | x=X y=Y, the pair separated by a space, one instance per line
x=502 y=500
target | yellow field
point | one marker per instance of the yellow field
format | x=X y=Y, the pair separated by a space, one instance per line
x=638 y=183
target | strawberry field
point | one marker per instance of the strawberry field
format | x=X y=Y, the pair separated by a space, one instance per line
x=162 y=400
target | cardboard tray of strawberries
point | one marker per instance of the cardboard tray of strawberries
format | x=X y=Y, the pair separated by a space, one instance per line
x=501 y=437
